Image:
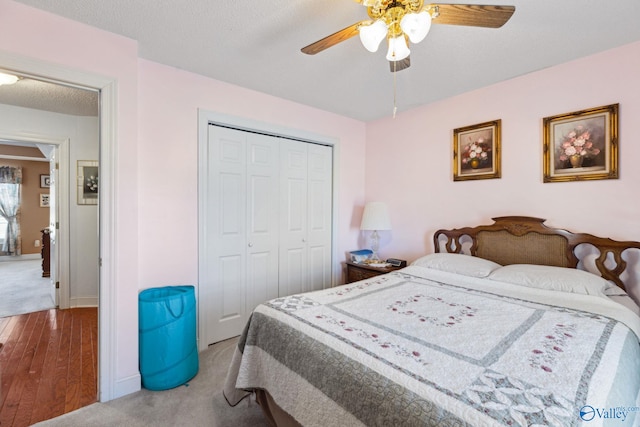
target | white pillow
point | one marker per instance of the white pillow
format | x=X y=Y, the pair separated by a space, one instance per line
x=457 y=263
x=552 y=278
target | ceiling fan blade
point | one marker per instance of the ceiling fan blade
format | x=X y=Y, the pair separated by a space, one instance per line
x=474 y=15
x=403 y=64
x=333 y=39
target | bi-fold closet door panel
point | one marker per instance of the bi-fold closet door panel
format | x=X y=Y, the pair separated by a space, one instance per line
x=268 y=225
x=262 y=219
x=242 y=229
x=305 y=216
x=319 y=216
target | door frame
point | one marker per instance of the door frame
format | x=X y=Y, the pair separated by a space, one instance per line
x=108 y=387
x=206 y=118
x=62 y=249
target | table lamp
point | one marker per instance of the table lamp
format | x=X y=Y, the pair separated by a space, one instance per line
x=375 y=218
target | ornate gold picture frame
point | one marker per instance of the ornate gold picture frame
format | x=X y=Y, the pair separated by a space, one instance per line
x=582 y=145
x=476 y=151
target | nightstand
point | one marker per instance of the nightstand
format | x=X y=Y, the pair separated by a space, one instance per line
x=357 y=272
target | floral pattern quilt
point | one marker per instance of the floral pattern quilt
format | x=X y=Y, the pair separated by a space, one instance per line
x=423 y=348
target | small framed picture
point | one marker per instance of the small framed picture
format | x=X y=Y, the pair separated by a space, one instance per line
x=476 y=151
x=88 y=184
x=582 y=145
x=44 y=200
x=45 y=181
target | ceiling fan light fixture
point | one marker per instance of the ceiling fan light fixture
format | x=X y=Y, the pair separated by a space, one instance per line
x=398 y=49
x=372 y=35
x=416 y=25
x=7 y=79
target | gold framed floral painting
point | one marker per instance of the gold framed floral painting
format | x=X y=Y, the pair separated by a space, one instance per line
x=476 y=151
x=582 y=145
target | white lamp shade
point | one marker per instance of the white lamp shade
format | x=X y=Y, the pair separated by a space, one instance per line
x=372 y=35
x=7 y=79
x=416 y=25
x=398 y=49
x=375 y=217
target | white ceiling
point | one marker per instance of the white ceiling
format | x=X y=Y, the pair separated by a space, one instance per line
x=40 y=95
x=256 y=44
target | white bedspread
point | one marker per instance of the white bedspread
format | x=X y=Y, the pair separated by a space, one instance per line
x=424 y=347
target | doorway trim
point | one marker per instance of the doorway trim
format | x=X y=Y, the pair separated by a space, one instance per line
x=108 y=387
x=206 y=118
x=63 y=244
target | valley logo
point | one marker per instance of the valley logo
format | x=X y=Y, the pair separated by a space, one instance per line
x=588 y=412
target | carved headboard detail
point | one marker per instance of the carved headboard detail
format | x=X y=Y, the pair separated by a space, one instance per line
x=526 y=240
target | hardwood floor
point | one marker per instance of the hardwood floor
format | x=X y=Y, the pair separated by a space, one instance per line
x=48 y=364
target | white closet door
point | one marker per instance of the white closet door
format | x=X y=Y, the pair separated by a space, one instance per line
x=266 y=225
x=293 y=217
x=319 y=208
x=241 y=228
x=263 y=165
x=305 y=224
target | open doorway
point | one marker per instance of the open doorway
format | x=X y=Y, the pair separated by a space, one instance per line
x=61 y=125
x=27 y=281
x=111 y=383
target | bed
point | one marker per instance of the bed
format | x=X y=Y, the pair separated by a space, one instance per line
x=513 y=323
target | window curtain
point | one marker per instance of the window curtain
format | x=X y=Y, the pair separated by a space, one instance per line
x=10 y=183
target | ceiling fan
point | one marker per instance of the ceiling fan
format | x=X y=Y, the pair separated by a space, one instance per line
x=404 y=21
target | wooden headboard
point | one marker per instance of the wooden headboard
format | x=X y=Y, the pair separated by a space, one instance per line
x=526 y=240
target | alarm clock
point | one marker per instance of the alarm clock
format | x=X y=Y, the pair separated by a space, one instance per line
x=397 y=262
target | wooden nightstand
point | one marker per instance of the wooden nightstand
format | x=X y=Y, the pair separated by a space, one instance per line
x=357 y=272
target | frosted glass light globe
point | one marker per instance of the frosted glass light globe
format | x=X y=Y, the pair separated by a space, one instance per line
x=398 y=49
x=372 y=35
x=416 y=25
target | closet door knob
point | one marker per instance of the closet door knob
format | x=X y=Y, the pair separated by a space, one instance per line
x=250 y=244
x=304 y=240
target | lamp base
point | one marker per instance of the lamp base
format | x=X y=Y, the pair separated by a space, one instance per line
x=375 y=245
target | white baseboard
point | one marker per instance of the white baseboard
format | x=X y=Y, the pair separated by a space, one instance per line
x=20 y=257
x=76 y=302
x=127 y=385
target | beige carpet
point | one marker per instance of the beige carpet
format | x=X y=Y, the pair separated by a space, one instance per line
x=23 y=289
x=199 y=403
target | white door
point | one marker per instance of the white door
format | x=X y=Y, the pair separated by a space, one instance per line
x=319 y=213
x=293 y=217
x=262 y=218
x=241 y=229
x=53 y=227
x=305 y=224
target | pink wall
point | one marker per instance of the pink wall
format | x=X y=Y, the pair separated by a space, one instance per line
x=169 y=100
x=409 y=159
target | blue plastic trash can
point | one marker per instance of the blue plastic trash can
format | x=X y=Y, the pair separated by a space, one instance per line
x=167 y=339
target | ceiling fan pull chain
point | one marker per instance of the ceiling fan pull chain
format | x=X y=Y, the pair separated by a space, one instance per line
x=395 y=107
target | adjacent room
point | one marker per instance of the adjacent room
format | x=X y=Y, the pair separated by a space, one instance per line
x=354 y=200
x=25 y=271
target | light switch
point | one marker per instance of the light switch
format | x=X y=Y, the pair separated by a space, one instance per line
x=36 y=243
